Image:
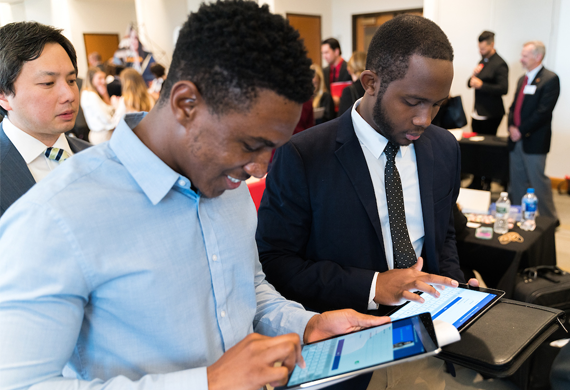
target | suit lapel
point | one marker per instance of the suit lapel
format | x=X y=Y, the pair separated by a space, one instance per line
x=77 y=145
x=15 y=177
x=425 y=164
x=349 y=154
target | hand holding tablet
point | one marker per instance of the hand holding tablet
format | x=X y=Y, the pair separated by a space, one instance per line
x=458 y=306
x=345 y=356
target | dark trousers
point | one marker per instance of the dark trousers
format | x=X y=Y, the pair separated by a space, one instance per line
x=487 y=127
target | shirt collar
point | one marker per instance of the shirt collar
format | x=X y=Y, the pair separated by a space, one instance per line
x=29 y=147
x=374 y=141
x=153 y=176
x=532 y=73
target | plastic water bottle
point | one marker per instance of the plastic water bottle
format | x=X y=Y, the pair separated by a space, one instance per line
x=529 y=205
x=502 y=208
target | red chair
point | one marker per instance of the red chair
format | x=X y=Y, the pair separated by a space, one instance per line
x=256 y=190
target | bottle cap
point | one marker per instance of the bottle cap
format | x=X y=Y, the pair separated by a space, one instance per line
x=530 y=191
x=504 y=194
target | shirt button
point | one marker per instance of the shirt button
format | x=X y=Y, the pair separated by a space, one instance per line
x=182 y=183
x=223 y=313
x=214 y=257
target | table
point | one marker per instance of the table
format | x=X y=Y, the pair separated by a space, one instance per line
x=489 y=157
x=498 y=264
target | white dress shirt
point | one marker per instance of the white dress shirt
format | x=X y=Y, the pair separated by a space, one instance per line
x=373 y=145
x=101 y=118
x=532 y=74
x=32 y=150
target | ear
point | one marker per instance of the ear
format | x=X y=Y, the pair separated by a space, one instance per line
x=370 y=82
x=4 y=103
x=184 y=99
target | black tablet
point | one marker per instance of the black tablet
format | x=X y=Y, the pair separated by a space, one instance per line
x=342 y=357
x=459 y=306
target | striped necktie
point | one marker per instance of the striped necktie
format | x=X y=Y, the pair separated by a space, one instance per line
x=56 y=154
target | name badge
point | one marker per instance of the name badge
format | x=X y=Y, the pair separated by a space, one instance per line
x=529 y=89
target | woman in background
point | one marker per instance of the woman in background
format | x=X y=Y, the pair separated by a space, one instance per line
x=135 y=95
x=159 y=76
x=356 y=65
x=322 y=99
x=97 y=108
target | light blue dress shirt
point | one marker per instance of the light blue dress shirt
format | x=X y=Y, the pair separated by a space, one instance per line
x=113 y=270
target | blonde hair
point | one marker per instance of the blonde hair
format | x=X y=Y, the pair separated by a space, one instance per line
x=357 y=63
x=88 y=84
x=318 y=94
x=135 y=94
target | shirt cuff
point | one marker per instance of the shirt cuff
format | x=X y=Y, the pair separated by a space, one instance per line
x=195 y=378
x=371 y=304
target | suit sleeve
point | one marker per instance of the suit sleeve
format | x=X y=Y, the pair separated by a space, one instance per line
x=543 y=112
x=283 y=233
x=448 y=257
x=500 y=84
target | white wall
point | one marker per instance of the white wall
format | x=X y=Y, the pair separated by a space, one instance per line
x=157 y=22
x=558 y=163
x=514 y=22
x=100 y=16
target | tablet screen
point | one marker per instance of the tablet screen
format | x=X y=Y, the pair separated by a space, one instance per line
x=457 y=306
x=363 y=349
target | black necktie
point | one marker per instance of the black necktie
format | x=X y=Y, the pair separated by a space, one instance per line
x=404 y=254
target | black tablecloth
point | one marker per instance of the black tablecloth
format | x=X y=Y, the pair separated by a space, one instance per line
x=489 y=157
x=498 y=264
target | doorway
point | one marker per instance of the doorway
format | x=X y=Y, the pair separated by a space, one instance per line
x=309 y=27
x=104 y=44
x=364 y=26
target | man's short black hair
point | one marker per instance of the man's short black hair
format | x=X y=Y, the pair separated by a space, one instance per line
x=231 y=49
x=23 y=42
x=487 y=36
x=400 y=38
x=157 y=70
x=333 y=43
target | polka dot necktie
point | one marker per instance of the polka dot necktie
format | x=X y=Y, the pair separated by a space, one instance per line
x=56 y=154
x=404 y=254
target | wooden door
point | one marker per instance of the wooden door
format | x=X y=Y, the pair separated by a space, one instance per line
x=364 y=26
x=309 y=27
x=104 y=44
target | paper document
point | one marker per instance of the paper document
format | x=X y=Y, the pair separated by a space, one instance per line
x=445 y=333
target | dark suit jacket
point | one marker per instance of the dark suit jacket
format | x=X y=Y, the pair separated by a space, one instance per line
x=342 y=75
x=349 y=96
x=536 y=112
x=495 y=77
x=15 y=177
x=319 y=234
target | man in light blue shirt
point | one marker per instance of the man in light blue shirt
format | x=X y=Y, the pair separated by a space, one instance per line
x=132 y=266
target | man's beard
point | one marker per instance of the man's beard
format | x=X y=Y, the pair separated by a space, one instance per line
x=380 y=118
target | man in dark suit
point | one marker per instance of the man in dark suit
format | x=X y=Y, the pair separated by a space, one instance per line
x=490 y=80
x=336 y=70
x=332 y=230
x=39 y=99
x=530 y=129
